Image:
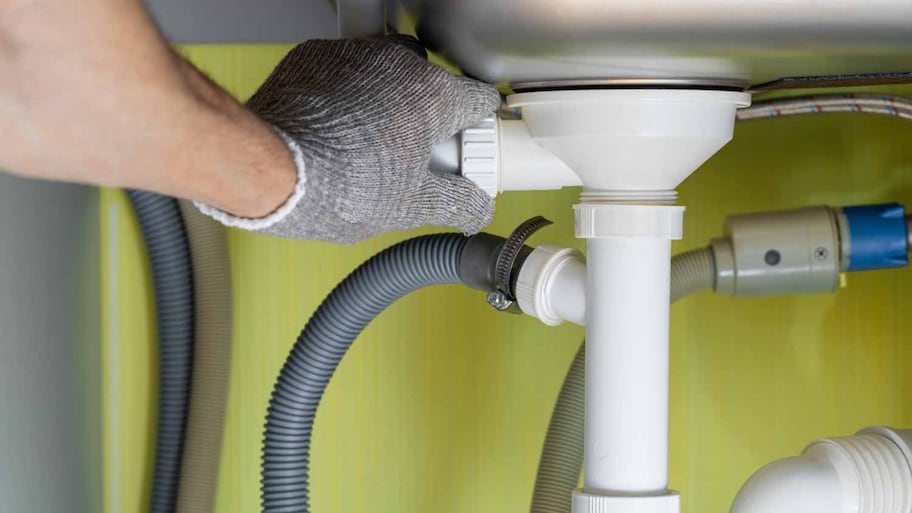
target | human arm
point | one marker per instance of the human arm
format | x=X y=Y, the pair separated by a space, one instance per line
x=90 y=92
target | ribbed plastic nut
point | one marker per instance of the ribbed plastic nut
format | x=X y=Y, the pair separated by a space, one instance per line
x=588 y=503
x=600 y=221
x=535 y=279
x=874 y=470
x=481 y=155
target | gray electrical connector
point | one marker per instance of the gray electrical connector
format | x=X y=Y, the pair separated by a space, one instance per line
x=774 y=253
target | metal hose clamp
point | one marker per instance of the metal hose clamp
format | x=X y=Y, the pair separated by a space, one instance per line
x=503 y=298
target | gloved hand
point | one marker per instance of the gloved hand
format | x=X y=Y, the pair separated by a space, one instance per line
x=361 y=118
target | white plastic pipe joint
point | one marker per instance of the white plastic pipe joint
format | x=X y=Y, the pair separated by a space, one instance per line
x=870 y=472
x=551 y=285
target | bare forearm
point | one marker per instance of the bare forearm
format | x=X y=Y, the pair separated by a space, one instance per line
x=251 y=171
x=226 y=158
x=90 y=92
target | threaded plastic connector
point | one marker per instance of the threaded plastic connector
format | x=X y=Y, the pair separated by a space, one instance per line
x=584 y=502
x=600 y=221
x=874 y=466
x=870 y=472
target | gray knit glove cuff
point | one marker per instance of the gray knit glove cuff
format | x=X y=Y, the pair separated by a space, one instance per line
x=361 y=117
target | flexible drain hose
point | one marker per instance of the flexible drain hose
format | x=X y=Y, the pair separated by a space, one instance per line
x=692 y=272
x=562 y=454
x=172 y=276
x=355 y=302
x=169 y=256
x=211 y=362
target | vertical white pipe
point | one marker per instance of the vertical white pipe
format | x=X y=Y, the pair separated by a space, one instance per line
x=627 y=366
x=629 y=149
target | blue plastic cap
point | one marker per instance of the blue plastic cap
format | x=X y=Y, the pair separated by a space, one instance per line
x=878 y=237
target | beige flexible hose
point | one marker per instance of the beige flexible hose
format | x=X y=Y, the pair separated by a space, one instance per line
x=562 y=455
x=691 y=272
x=211 y=362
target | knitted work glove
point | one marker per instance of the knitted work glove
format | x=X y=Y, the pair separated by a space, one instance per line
x=361 y=118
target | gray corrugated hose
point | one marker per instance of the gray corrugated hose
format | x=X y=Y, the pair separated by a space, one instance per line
x=211 y=362
x=562 y=453
x=169 y=256
x=374 y=286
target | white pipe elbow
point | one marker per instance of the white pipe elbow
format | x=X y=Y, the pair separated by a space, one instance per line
x=796 y=484
x=870 y=472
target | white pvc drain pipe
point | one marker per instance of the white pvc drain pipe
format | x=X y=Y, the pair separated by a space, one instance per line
x=629 y=265
x=630 y=150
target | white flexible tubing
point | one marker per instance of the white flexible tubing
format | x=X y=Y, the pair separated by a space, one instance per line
x=525 y=165
x=627 y=366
